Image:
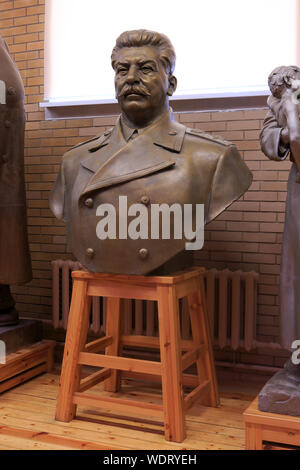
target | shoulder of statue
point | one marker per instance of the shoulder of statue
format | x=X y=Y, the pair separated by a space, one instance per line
x=92 y=143
x=212 y=138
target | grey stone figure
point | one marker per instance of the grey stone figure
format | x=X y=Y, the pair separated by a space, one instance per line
x=280 y=139
x=15 y=262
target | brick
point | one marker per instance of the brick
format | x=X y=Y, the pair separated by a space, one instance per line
x=247 y=145
x=6 y=23
x=35 y=80
x=195 y=117
x=259 y=258
x=261 y=196
x=6 y=5
x=25 y=3
x=25 y=56
x=13 y=31
x=253 y=155
x=26 y=20
x=65 y=132
x=26 y=38
x=35 y=10
x=232 y=135
x=243 y=226
x=259 y=237
x=252 y=134
x=260 y=217
x=256 y=113
x=243 y=125
x=271 y=227
x=31 y=46
x=274 y=165
x=35 y=28
x=39 y=133
x=269 y=268
x=227 y=115
x=231 y=215
x=274 y=186
x=272 y=206
x=212 y=127
x=33 y=64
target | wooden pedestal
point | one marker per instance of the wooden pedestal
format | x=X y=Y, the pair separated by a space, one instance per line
x=175 y=355
x=26 y=363
x=270 y=430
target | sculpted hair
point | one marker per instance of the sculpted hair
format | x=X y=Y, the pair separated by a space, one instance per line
x=276 y=79
x=144 y=37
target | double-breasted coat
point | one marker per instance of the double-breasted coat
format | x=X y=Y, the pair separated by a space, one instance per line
x=166 y=163
x=290 y=259
x=15 y=262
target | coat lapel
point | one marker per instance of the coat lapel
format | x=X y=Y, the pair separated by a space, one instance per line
x=151 y=151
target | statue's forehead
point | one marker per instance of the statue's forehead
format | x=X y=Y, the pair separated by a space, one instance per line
x=137 y=54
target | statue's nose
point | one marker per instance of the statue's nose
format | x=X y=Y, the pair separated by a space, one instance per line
x=132 y=76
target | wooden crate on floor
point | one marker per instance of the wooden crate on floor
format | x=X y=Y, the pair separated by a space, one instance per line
x=26 y=363
x=270 y=430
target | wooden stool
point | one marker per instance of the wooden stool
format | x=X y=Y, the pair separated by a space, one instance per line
x=166 y=290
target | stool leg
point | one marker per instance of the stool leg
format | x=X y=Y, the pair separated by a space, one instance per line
x=170 y=351
x=77 y=329
x=113 y=328
x=201 y=334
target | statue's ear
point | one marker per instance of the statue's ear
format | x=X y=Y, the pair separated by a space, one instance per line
x=172 y=85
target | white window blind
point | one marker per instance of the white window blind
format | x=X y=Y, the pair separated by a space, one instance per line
x=223 y=48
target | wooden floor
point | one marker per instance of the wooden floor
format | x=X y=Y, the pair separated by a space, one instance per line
x=27 y=421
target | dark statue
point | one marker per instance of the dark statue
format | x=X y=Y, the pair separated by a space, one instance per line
x=15 y=262
x=280 y=139
x=148 y=157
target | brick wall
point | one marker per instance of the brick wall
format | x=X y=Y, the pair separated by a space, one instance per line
x=246 y=236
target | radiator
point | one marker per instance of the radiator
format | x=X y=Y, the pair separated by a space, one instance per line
x=231 y=298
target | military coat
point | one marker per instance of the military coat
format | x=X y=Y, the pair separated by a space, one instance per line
x=166 y=163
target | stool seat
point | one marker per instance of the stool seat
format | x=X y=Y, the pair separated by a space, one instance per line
x=176 y=355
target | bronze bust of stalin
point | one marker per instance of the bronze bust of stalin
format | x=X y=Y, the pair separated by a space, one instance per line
x=147 y=157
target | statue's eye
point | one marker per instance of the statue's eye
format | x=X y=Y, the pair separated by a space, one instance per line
x=122 y=70
x=147 y=69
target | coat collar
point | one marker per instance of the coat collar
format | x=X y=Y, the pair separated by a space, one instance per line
x=165 y=132
x=119 y=161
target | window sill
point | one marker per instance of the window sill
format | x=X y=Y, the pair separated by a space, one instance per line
x=90 y=109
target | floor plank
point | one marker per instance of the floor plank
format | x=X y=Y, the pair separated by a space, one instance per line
x=27 y=421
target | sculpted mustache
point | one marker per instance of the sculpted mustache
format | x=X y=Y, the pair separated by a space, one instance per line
x=138 y=90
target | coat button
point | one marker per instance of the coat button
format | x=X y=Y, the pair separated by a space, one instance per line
x=90 y=253
x=89 y=202
x=4 y=158
x=143 y=253
x=7 y=123
x=172 y=133
x=145 y=200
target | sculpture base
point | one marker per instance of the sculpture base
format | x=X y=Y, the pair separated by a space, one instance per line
x=270 y=431
x=281 y=394
x=26 y=332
